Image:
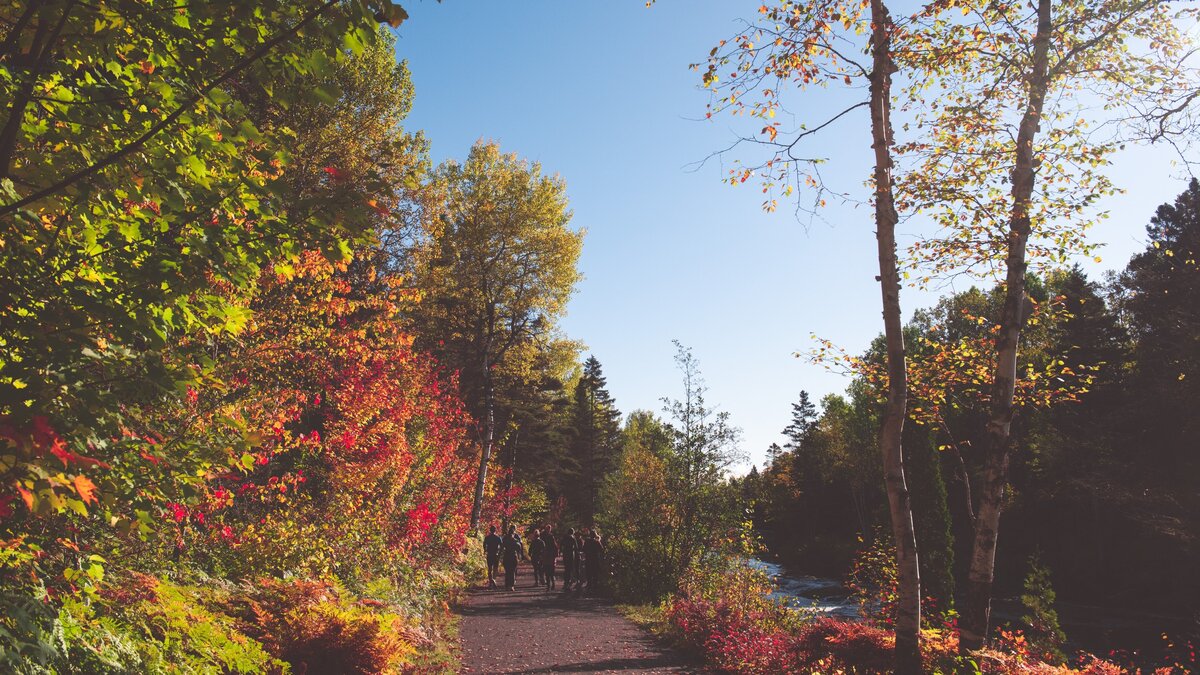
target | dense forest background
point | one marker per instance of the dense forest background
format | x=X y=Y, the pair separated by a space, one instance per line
x=266 y=371
x=1103 y=481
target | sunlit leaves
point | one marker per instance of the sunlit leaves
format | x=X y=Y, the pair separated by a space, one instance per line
x=965 y=109
x=350 y=435
x=792 y=45
x=951 y=367
x=121 y=285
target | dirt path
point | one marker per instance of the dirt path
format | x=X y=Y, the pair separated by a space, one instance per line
x=532 y=630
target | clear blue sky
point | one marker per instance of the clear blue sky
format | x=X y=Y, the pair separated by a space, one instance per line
x=600 y=92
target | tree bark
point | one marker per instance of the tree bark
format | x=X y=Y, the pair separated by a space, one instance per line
x=489 y=436
x=908 y=609
x=974 y=625
x=34 y=64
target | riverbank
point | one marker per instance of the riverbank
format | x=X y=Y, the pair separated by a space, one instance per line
x=1130 y=635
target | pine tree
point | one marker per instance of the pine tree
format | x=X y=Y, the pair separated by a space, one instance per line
x=773 y=453
x=1160 y=298
x=931 y=515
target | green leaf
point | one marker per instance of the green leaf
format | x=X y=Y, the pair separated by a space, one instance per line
x=327 y=93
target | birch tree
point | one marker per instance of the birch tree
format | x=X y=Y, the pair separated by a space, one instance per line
x=1019 y=108
x=810 y=45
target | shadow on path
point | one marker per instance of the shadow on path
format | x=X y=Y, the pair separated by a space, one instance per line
x=532 y=630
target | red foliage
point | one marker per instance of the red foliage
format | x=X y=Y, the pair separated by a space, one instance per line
x=848 y=643
x=739 y=629
x=330 y=387
x=131 y=588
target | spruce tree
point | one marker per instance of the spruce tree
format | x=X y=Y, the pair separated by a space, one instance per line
x=596 y=442
x=804 y=419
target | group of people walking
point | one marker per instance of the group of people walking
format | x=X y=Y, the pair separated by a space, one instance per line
x=582 y=556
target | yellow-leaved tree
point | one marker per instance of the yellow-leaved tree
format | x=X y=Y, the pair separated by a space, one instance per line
x=809 y=45
x=501 y=268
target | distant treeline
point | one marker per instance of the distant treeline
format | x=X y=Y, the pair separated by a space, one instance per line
x=1105 y=464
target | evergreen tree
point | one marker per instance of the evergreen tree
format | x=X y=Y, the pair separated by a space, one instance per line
x=804 y=419
x=773 y=453
x=1038 y=598
x=931 y=515
x=1160 y=297
x=597 y=438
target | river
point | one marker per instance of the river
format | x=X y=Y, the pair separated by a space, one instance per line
x=1089 y=627
x=823 y=596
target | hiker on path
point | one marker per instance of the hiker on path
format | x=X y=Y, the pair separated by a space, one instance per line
x=593 y=549
x=512 y=552
x=577 y=563
x=570 y=558
x=549 y=553
x=537 y=549
x=491 y=548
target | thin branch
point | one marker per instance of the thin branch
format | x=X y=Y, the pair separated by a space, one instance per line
x=827 y=122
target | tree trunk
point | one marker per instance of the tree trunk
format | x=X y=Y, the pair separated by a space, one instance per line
x=974 y=625
x=39 y=49
x=489 y=437
x=510 y=479
x=908 y=609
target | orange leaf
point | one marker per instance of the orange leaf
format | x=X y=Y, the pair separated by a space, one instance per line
x=86 y=489
x=27 y=496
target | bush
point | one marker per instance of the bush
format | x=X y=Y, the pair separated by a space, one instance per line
x=317 y=628
x=140 y=623
x=729 y=617
x=874 y=580
x=845 y=645
x=1045 y=635
x=150 y=625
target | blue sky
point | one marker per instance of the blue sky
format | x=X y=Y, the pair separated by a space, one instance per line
x=599 y=91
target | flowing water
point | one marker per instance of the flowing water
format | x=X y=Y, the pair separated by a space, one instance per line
x=823 y=596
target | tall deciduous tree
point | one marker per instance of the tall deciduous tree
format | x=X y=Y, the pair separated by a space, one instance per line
x=501 y=271
x=806 y=44
x=1008 y=166
x=139 y=202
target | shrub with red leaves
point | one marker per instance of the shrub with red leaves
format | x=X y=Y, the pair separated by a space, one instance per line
x=851 y=645
x=729 y=617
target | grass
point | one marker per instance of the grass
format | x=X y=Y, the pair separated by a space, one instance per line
x=652 y=618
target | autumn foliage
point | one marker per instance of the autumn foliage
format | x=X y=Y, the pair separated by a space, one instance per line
x=732 y=620
x=220 y=450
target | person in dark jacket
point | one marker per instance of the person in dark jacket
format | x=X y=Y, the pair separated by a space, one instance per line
x=512 y=552
x=569 y=557
x=491 y=548
x=537 y=549
x=593 y=551
x=578 y=562
x=549 y=553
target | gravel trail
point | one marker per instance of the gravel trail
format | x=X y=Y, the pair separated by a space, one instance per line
x=532 y=630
